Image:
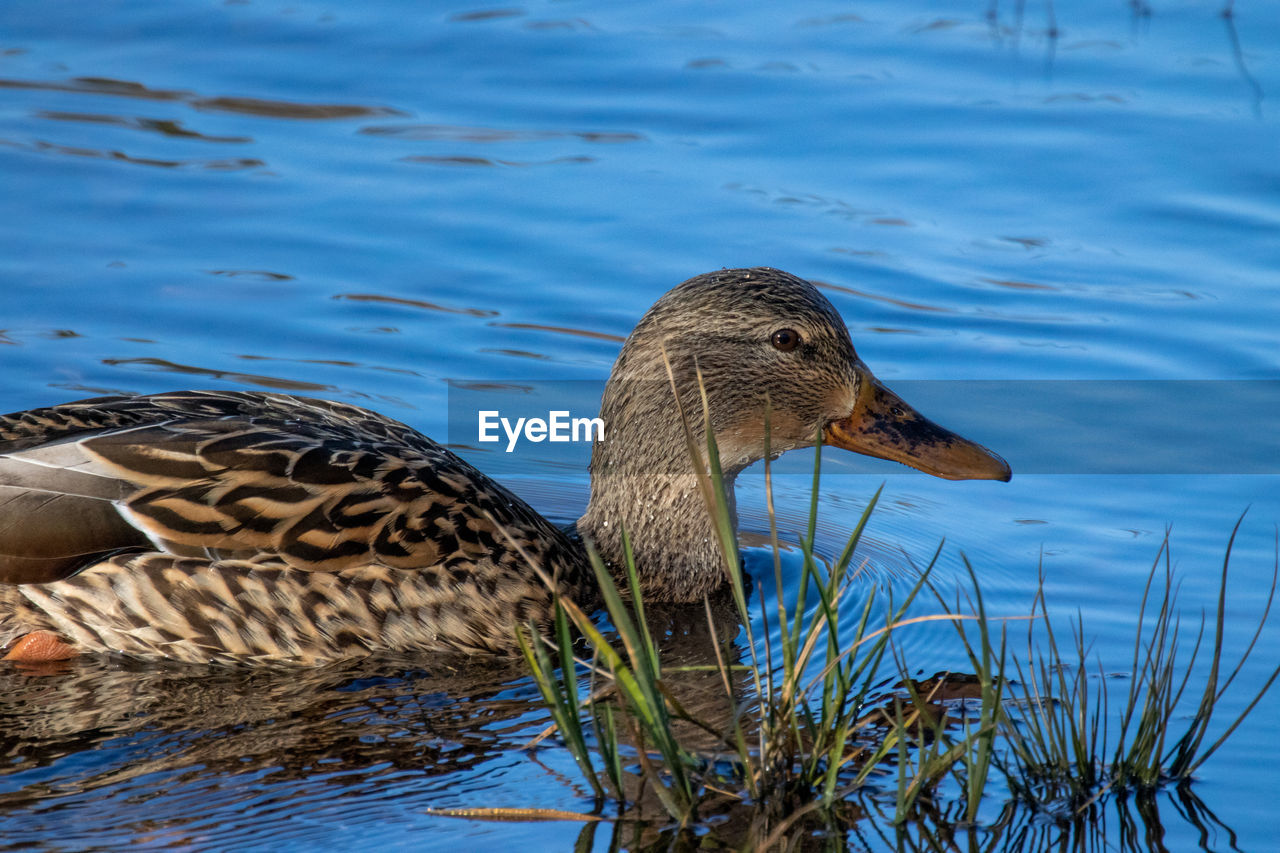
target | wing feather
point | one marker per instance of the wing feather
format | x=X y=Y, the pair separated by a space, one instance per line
x=226 y=475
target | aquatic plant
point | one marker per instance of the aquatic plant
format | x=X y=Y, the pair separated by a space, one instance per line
x=1061 y=752
x=813 y=729
x=798 y=741
x=799 y=738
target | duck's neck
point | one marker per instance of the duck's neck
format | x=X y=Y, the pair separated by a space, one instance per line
x=672 y=535
x=643 y=481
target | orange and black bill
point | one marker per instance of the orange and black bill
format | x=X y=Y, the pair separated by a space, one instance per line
x=882 y=425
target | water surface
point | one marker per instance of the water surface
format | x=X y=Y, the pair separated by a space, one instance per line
x=367 y=202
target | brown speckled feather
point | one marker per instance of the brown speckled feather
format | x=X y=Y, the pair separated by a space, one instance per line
x=251 y=526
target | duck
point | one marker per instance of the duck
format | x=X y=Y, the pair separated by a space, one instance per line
x=249 y=527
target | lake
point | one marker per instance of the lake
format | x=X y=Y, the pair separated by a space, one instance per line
x=1056 y=228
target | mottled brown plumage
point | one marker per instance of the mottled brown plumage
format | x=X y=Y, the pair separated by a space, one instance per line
x=238 y=526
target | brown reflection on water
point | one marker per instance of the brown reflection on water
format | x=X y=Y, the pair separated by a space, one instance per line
x=817 y=203
x=487 y=15
x=165 y=127
x=1018 y=285
x=501 y=387
x=270 y=108
x=99 y=86
x=287 y=109
x=277 y=383
x=461 y=160
x=256 y=275
x=221 y=165
x=258 y=380
x=171 y=128
x=460 y=133
x=92 y=390
x=515 y=353
x=456 y=160
x=332 y=362
x=877 y=297
x=369 y=714
x=415 y=303
x=570 y=24
x=562 y=330
x=894 y=330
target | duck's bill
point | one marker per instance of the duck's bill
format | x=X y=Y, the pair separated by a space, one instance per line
x=882 y=425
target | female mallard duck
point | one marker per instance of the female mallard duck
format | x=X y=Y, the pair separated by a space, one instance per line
x=237 y=526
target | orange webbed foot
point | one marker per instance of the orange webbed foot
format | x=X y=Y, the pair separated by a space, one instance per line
x=40 y=647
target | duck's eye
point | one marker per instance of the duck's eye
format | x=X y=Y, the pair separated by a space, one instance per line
x=785 y=340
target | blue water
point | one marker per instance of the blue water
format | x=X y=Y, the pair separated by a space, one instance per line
x=365 y=201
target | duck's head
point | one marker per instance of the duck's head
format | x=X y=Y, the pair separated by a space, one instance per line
x=767 y=347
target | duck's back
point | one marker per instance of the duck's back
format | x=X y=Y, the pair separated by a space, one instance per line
x=204 y=525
